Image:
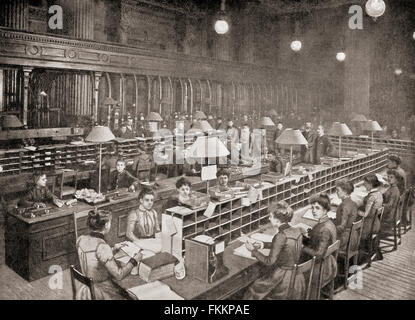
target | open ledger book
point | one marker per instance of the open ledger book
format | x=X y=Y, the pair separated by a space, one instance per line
x=155 y=290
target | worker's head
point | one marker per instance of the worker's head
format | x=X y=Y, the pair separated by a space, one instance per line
x=394 y=161
x=120 y=165
x=279 y=213
x=371 y=181
x=308 y=126
x=279 y=126
x=99 y=220
x=40 y=179
x=394 y=177
x=320 y=205
x=223 y=177
x=230 y=123
x=130 y=122
x=394 y=134
x=344 y=188
x=123 y=127
x=183 y=186
x=146 y=198
x=320 y=130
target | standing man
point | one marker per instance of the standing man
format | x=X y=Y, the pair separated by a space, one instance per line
x=306 y=154
x=233 y=141
x=322 y=145
x=277 y=133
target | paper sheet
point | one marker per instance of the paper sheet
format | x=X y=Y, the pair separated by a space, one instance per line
x=210 y=209
x=153 y=245
x=155 y=290
x=242 y=251
x=130 y=248
x=209 y=173
x=262 y=237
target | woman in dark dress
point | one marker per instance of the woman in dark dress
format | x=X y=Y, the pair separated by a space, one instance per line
x=321 y=236
x=38 y=193
x=346 y=213
x=390 y=200
x=285 y=252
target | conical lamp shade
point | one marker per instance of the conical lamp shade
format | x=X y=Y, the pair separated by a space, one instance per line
x=200 y=115
x=359 y=117
x=154 y=117
x=208 y=147
x=339 y=129
x=291 y=136
x=371 y=125
x=205 y=126
x=110 y=101
x=100 y=134
x=11 y=121
x=272 y=112
x=266 y=121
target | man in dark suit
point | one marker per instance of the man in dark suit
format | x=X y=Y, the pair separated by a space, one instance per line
x=306 y=154
x=277 y=133
x=322 y=145
x=121 y=178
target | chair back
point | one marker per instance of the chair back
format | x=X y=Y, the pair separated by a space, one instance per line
x=332 y=250
x=63 y=178
x=78 y=276
x=399 y=210
x=354 y=238
x=76 y=216
x=378 y=217
x=305 y=268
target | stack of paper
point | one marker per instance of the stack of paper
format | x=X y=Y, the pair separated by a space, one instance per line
x=154 y=291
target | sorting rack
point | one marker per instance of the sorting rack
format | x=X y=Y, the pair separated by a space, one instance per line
x=231 y=219
x=400 y=147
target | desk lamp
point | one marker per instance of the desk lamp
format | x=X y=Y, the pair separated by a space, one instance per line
x=372 y=126
x=200 y=115
x=205 y=126
x=100 y=134
x=153 y=118
x=266 y=121
x=291 y=137
x=207 y=147
x=340 y=130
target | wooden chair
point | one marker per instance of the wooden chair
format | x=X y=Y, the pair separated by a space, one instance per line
x=63 y=179
x=406 y=211
x=304 y=268
x=394 y=235
x=144 y=170
x=352 y=249
x=374 y=238
x=76 y=216
x=89 y=282
x=332 y=250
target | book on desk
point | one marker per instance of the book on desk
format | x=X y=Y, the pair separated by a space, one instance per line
x=157 y=267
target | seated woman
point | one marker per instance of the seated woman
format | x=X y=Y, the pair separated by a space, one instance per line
x=371 y=203
x=320 y=237
x=285 y=252
x=121 y=178
x=223 y=179
x=143 y=222
x=97 y=261
x=390 y=200
x=38 y=193
x=183 y=188
x=346 y=213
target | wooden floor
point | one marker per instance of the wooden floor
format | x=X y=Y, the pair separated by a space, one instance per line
x=393 y=278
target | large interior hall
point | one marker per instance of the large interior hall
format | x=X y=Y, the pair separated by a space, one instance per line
x=207 y=150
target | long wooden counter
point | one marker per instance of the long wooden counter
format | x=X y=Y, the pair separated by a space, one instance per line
x=34 y=245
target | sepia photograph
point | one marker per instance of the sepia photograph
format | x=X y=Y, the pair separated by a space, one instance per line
x=204 y=150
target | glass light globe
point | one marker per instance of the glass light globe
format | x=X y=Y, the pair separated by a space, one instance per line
x=340 y=56
x=398 y=71
x=413 y=35
x=221 y=26
x=296 y=45
x=375 y=8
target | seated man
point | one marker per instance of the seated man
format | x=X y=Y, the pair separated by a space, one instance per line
x=121 y=178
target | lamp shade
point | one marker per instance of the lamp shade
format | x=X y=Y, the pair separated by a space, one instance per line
x=207 y=147
x=110 y=101
x=100 y=134
x=339 y=129
x=372 y=125
x=359 y=117
x=200 y=115
x=11 y=121
x=154 y=117
x=291 y=136
x=205 y=126
x=272 y=112
x=266 y=121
